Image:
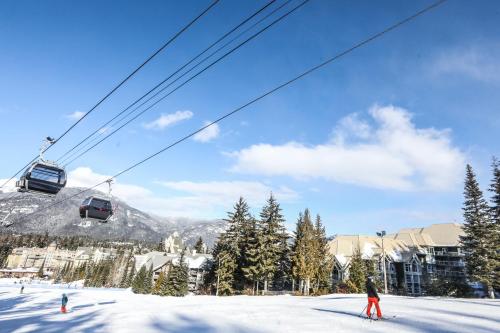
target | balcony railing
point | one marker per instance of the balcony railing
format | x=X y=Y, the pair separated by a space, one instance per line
x=450 y=263
x=449 y=253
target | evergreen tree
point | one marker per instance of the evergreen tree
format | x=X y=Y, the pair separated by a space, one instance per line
x=357 y=273
x=130 y=277
x=230 y=250
x=272 y=226
x=495 y=219
x=254 y=257
x=283 y=272
x=168 y=286
x=138 y=286
x=477 y=244
x=303 y=253
x=181 y=278
x=124 y=279
x=323 y=261
x=148 y=281
x=199 y=245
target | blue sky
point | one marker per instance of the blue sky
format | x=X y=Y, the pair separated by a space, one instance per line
x=376 y=140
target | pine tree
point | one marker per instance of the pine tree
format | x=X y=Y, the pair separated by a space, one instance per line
x=168 y=286
x=357 y=273
x=303 y=253
x=254 y=257
x=138 y=282
x=124 y=279
x=181 y=281
x=148 y=280
x=271 y=221
x=283 y=272
x=130 y=277
x=479 y=254
x=199 y=245
x=230 y=250
x=323 y=261
x=495 y=219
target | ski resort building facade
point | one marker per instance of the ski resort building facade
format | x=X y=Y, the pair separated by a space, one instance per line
x=23 y=261
x=198 y=264
x=413 y=256
x=173 y=245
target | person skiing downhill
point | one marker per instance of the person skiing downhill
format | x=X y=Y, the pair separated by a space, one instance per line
x=64 y=301
x=373 y=298
x=22 y=289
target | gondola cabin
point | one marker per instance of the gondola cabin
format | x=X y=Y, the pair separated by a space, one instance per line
x=42 y=178
x=96 y=208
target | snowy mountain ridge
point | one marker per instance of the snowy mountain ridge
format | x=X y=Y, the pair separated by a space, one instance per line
x=126 y=224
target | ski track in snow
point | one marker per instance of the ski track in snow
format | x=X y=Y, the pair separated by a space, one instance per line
x=115 y=310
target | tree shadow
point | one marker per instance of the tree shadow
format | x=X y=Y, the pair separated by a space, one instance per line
x=187 y=324
x=44 y=317
x=426 y=325
x=345 y=313
x=466 y=314
x=339 y=297
x=48 y=323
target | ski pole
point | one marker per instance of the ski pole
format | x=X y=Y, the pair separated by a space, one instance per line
x=363 y=311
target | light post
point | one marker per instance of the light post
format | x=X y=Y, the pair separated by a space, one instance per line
x=381 y=235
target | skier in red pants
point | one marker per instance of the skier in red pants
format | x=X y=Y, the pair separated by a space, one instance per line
x=373 y=298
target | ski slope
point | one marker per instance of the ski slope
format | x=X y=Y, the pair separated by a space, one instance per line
x=105 y=310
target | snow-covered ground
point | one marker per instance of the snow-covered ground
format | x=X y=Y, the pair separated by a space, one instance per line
x=104 y=310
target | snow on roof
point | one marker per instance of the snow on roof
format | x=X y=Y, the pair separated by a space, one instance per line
x=159 y=259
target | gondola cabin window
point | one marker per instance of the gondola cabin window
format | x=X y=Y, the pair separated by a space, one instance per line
x=48 y=174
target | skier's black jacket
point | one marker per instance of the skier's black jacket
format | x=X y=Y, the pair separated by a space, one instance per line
x=371 y=290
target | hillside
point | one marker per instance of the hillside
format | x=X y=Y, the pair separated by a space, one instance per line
x=127 y=223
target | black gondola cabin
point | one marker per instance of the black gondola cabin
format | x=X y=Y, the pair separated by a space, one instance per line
x=96 y=208
x=41 y=177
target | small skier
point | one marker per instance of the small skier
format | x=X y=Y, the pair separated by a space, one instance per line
x=373 y=298
x=22 y=289
x=64 y=301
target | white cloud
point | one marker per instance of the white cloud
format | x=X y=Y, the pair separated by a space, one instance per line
x=9 y=187
x=208 y=133
x=390 y=154
x=479 y=63
x=166 y=120
x=200 y=200
x=229 y=191
x=75 y=115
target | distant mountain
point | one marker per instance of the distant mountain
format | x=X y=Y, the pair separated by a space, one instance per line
x=127 y=222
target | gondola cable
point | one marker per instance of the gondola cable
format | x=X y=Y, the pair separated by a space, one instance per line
x=103 y=128
x=269 y=92
x=185 y=82
x=119 y=85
